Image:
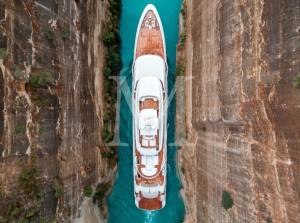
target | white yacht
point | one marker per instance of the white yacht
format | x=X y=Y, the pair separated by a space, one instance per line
x=149 y=103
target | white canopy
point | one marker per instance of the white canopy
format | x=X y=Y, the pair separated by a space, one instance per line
x=149 y=66
x=148 y=86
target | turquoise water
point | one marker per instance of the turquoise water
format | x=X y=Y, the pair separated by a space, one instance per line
x=121 y=207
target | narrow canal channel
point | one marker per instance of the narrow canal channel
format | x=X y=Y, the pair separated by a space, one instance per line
x=121 y=201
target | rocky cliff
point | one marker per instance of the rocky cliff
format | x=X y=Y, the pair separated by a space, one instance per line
x=243 y=112
x=51 y=107
x=241 y=159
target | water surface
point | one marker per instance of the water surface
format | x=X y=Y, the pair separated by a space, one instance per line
x=121 y=201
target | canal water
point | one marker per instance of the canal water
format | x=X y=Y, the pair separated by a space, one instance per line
x=121 y=207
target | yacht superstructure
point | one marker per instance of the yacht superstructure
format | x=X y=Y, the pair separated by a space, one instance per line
x=149 y=97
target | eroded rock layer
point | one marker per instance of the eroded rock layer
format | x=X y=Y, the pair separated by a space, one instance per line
x=245 y=111
x=51 y=101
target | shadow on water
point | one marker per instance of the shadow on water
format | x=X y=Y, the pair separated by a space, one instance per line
x=121 y=201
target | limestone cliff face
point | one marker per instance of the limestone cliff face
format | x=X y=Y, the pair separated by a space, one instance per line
x=51 y=101
x=243 y=117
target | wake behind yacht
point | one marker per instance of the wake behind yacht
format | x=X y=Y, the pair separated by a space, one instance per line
x=149 y=97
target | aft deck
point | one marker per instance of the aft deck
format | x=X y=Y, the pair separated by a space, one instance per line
x=150 y=204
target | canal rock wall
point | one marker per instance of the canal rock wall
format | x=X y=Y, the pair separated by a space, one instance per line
x=243 y=117
x=51 y=107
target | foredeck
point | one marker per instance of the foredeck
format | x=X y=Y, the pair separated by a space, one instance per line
x=150 y=40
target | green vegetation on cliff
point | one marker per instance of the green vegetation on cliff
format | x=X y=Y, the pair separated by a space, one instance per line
x=65 y=33
x=227 y=201
x=180 y=67
x=109 y=153
x=25 y=206
x=181 y=57
x=2 y=53
x=269 y=220
x=297 y=81
x=41 y=78
x=112 y=65
x=20 y=128
x=101 y=191
x=2 y=193
x=58 y=188
x=182 y=38
x=48 y=33
x=30 y=183
x=88 y=191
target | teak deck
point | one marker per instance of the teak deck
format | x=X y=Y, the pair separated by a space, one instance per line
x=150 y=40
x=150 y=204
x=149 y=104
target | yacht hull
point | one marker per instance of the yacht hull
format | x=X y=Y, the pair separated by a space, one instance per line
x=149 y=104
